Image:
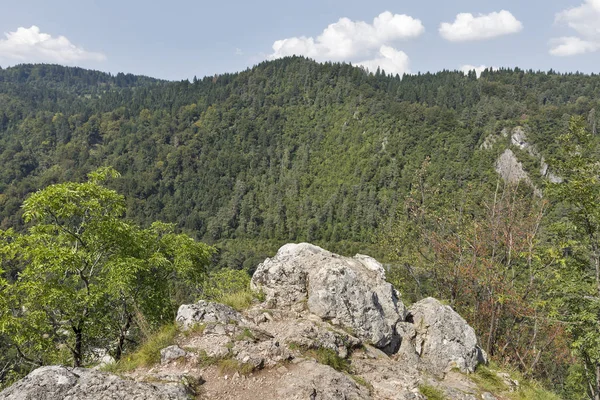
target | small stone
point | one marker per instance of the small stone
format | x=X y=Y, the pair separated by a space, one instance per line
x=282 y=369
x=171 y=353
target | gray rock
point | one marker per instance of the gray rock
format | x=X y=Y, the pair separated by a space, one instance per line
x=204 y=312
x=311 y=334
x=60 y=383
x=510 y=168
x=310 y=380
x=443 y=339
x=350 y=292
x=171 y=353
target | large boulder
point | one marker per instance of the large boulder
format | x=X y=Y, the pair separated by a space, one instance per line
x=350 y=292
x=442 y=338
x=61 y=383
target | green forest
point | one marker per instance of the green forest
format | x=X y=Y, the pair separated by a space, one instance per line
x=235 y=165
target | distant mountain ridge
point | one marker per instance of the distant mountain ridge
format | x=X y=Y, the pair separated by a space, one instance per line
x=288 y=150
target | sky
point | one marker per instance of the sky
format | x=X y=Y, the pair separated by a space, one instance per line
x=180 y=39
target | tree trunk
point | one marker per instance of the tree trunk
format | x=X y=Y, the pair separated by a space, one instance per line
x=78 y=348
x=121 y=342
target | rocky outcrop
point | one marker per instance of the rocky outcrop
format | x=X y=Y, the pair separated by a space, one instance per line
x=56 y=382
x=348 y=292
x=330 y=327
x=510 y=168
x=442 y=338
x=204 y=312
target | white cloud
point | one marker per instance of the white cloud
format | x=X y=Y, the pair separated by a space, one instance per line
x=347 y=40
x=478 y=70
x=239 y=52
x=484 y=26
x=392 y=61
x=31 y=45
x=572 y=45
x=585 y=20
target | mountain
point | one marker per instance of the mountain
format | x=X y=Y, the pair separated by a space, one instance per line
x=407 y=169
x=289 y=150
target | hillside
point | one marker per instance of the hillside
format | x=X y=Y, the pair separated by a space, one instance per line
x=483 y=192
x=289 y=150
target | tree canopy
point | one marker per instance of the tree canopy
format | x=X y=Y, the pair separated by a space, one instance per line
x=83 y=278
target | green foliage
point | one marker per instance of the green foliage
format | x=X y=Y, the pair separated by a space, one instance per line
x=229 y=366
x=488 y=380
x=148 y=353
x=531 y=391
x=362 y=382
x=238 y=301
x=246 y=335
x=83 y=277
x=330 y=357
x=225 y=282
x=290 y=150
x=230 y=287
x=323 y=356
x=576 y=234
x=431 y=392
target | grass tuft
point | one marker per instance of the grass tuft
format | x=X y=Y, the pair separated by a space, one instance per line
x=431 y=392
x=246 y=334
x=488 y=380
x=195 y=330
x=230 y=366
x=362 y=382
x=239 y=301
x=148 y=353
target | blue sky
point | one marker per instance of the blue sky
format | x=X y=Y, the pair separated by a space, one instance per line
x=181 y=38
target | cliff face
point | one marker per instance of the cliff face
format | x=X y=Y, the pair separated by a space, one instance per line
x=330 y=327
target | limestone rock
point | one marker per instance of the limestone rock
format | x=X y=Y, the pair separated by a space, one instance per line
x=311 y=334
x=60 y=383
x=171 y=353
x=350 y=292
x=443 y=339
x=319 y=382
x=510 y=168
x=204 y=312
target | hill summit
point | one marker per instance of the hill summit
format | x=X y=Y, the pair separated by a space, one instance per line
x=329 y=327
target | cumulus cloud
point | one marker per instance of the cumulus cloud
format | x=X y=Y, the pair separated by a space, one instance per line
x=390 y=60
x=572 y=45
x=347 y=40
x=31 y=45
x=585 y=20
x=478 y=70
x=467 y=27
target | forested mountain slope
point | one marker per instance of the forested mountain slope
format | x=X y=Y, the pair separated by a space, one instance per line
x=290 y=150
x=293 y=150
